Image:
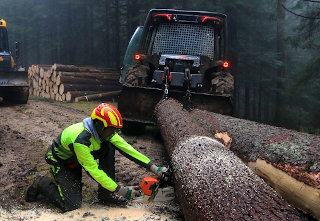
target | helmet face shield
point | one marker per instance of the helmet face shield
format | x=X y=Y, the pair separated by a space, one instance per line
x=108 y=115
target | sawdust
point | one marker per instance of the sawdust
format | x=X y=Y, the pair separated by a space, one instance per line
x=87 y=212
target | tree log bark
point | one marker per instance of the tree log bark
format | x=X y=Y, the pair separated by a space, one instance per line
x=295 y=153
x=92 y=97
x=73 y=68
x=211 y=182
x=106 y=76
x=65 y=79
x=64 y=88
x=71 y=95
x=279 y=146
x=61 y=67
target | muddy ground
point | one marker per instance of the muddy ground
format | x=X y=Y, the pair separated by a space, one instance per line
x=25 y=133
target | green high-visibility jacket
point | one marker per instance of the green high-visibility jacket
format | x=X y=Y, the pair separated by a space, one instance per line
x=76 y=141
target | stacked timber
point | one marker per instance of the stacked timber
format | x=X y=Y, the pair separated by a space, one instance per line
x=288 y=160
x=71 y=83
x=211 y=182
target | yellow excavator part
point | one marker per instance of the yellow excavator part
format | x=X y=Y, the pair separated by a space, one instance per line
x=12 y=63
x=3 y=23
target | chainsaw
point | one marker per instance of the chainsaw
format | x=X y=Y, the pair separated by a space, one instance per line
x=156 y=189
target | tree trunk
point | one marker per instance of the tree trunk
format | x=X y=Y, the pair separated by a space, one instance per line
x=297 y=154
x=64 y=88
x=100 y=96
x=211 y=182
x=71 y=95
x=73 y=68
x=247 y=102
x=65 y=79
x=70 y=77
x=117 y=34
x=279 y=115
x=232 y=53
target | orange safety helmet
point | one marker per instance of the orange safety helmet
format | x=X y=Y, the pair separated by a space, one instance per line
x=108 y=115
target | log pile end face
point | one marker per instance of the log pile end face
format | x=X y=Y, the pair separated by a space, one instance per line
x=68 y=82
x=217 y=186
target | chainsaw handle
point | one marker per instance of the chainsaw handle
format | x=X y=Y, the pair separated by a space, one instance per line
x=166 y=175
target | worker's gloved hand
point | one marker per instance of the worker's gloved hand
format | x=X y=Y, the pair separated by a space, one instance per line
x=159 y=171
x=127 y=192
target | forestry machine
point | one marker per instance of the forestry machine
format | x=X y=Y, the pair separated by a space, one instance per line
x=13 y=79
x=179 y=54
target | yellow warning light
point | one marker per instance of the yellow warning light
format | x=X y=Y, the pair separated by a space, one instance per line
x=1 y=59
x=3 y=23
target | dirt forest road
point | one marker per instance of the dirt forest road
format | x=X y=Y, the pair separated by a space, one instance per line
x=25 y=133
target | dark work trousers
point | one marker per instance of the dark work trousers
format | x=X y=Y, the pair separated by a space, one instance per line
x=65 y=189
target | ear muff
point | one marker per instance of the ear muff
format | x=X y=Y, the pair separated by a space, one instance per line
x=98 y=125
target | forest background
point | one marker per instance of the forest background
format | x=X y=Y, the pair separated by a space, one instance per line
x=273 y=46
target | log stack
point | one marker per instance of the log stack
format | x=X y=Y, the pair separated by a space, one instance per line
x=68 y=82
x=211 y=182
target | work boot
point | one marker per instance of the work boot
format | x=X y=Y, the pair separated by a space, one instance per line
x=34 y=190
x=108 y=198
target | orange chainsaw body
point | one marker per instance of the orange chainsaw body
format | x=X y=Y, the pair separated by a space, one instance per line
x=148 y=185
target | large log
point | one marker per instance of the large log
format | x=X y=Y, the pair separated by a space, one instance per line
x=211 y=182
x=107 y=76
x=73 y=68
x=61 y=67
x=99 y=96
x=64 y=88
x=268 y=149
x=71 y=95
x=65 y=79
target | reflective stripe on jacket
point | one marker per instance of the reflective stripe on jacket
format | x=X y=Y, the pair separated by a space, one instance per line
x=76 y=143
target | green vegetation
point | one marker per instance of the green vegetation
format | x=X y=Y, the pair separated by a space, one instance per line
x=85 y=106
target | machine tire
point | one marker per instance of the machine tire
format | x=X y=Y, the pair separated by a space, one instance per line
x=137 y=75
x=16 y=95
x=222 y=83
